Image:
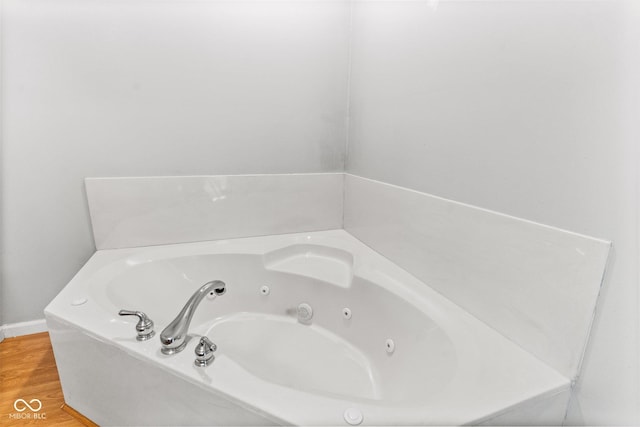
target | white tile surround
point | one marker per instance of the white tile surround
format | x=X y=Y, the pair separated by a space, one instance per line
x=535 y=284
x=128 y=212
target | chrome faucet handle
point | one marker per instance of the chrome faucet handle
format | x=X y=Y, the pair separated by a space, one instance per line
x=204 y=352
x=144 y=328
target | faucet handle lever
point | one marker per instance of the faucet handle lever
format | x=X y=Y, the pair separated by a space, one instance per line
x=204 y=352
x=144 y=327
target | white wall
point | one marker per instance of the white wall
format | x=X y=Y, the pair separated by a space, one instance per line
x=120 y=88
x=523 y=107
x=1 y=187
x=526 y=108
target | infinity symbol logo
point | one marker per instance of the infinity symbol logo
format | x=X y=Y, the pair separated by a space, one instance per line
x=26 y=405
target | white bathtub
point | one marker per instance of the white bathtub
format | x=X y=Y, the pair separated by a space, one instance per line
x=447 y=367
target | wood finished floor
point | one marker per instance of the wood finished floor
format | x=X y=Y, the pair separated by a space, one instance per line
x=28 y=371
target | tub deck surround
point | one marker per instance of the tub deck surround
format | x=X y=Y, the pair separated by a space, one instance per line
x=425 y=311
x=535 y=284
x=143 y=211
x=271 y=368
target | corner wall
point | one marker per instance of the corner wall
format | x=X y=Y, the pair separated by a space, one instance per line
x=522 y=107
x=144 y=88
x=1 y=186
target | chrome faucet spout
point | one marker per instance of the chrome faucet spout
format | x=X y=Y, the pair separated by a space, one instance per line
x=173 y=337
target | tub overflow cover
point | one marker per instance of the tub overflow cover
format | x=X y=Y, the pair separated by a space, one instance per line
x=305 y=312
x=353 y=416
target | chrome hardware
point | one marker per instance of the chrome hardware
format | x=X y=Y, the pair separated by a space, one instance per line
x=144 y=328
x=204 y=352
x=174 y=336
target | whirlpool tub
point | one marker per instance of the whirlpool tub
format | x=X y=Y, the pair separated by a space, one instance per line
x=314 y=329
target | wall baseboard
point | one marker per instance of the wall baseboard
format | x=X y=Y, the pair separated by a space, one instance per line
x=23 y=328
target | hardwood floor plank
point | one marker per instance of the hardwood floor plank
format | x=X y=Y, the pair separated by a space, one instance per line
x=28 y=371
